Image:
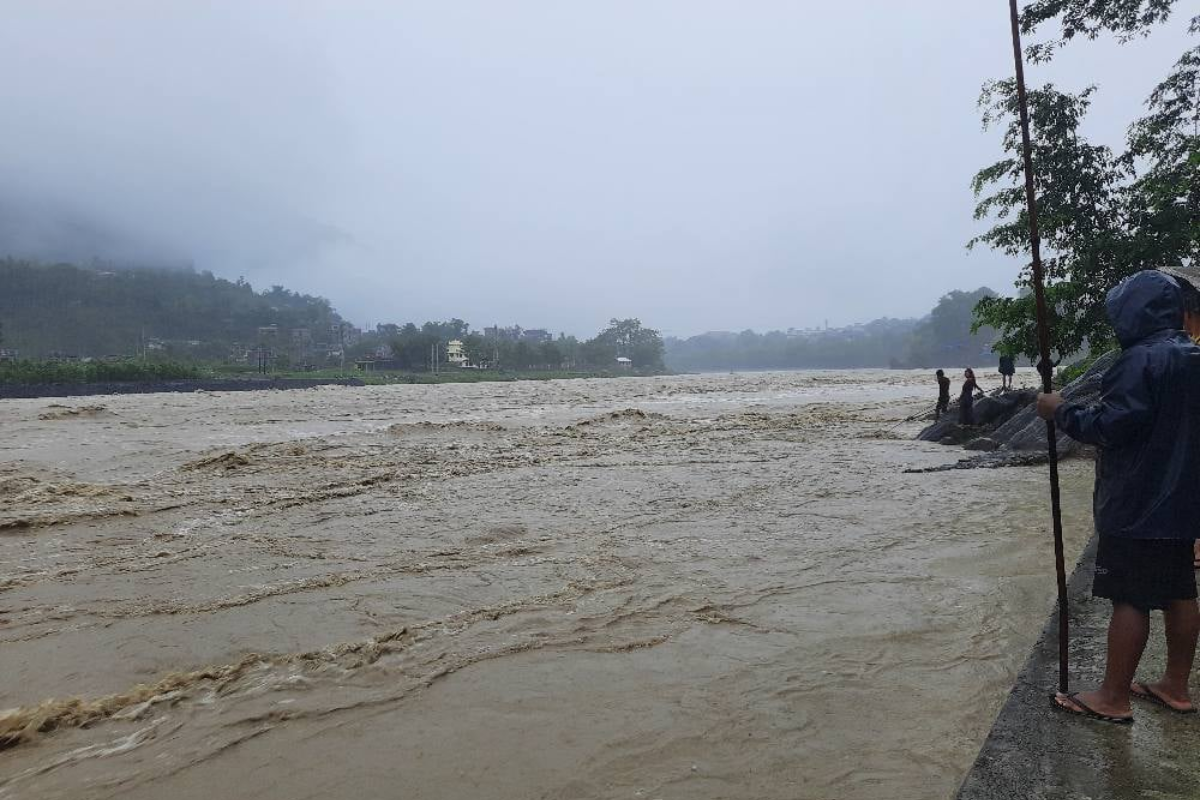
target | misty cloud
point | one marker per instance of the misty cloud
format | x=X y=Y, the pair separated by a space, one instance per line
x=700 y=165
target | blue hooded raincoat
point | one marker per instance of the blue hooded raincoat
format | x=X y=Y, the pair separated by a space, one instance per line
x=1147 y=422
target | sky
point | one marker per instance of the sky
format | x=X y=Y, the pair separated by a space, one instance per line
x=699 y=165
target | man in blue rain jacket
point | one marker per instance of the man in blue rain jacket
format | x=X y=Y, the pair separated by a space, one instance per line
x=1146 y=428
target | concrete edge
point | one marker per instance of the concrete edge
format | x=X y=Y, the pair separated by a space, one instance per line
x=1008 y=763
x=1034 y=751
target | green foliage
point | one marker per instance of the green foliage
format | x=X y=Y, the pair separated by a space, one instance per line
x=882 y=343
x=1090 y=18
x=625 y=338
x=1067 y=374
x=34 y=372
x=1102 y=216
x=94 y=311
x=948 y=335
x=409 y=348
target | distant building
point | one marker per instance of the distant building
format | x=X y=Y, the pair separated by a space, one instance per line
x=379 y=365
x=455 y=354
x=8 y=354
x=344 y=333
x=511 y=334
x=537 y=336
x=624 y=363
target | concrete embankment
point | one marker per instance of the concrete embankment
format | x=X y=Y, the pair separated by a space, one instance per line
x=1034 y=751
x=26 y=391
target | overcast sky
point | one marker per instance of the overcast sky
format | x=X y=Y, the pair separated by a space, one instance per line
x=700 y=165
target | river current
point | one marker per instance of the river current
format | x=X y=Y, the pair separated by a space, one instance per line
x=701 y=586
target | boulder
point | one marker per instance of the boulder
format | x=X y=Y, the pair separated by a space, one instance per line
x=998 y=408
x=948 y=431
x=983 y=443
x=990 y=411
x=1025 y=431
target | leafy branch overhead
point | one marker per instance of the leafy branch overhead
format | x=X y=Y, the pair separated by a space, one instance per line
x=1127 y=19
x=1102 y=215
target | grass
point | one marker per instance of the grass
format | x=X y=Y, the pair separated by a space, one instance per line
x=448 y=376
x=31 y=372
x=44 y=372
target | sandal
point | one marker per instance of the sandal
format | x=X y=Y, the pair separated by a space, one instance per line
x=1144 y=692
x=1083 y=711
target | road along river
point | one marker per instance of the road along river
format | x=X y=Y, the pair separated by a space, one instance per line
x=703 y=586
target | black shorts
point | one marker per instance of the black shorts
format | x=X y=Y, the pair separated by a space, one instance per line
x=1144 y=573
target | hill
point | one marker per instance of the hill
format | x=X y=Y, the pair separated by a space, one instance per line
x=97 y=311
x=942 y=338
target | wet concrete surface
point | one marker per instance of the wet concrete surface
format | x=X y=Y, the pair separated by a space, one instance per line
x=1035 y=751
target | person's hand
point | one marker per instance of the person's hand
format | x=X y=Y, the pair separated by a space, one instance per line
x=1047 y=404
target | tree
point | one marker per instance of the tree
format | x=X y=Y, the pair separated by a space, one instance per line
x=629 y=339
x=550 y=355
x=1102 y=216
x=476 y=350
x=1090 y=18
x=947 y=336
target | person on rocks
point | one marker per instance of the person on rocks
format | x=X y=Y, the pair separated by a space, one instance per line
x=1146 y=428
x=943 y=401
x=1008 y=368
x=966 y=398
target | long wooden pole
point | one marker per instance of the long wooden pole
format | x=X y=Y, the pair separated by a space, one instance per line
x=1043 y=325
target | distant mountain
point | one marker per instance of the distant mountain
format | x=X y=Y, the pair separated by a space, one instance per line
x=101 y=310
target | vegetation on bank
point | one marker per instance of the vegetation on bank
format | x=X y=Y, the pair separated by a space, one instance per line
x=39 y=372
x=105 y=313
x=448 y=376
x=943 y=338
x=31 y=373
x=102 y=311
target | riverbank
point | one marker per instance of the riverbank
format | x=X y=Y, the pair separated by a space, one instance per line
x=300 y=380
x=701 y=586
x=12 y=391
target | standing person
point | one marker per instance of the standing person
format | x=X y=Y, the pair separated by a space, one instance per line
x=1188 y=279
x=1146 y=506
x=966 y=398
x=1008 y=368
x=943 y=401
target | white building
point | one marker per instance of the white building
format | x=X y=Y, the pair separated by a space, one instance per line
x=455 y=354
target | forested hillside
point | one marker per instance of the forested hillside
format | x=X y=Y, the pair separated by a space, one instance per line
x=943 y=338
x=96 y=311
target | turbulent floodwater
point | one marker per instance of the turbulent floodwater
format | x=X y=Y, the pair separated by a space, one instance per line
x=708 y=586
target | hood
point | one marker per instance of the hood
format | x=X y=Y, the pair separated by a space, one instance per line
x=1144 y=303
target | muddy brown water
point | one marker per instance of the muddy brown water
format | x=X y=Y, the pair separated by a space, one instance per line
x=706 y=586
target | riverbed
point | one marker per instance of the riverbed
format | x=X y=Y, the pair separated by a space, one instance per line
x=700 y=586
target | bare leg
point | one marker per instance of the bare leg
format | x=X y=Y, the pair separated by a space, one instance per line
x=1127 y=633
x=1182 y=620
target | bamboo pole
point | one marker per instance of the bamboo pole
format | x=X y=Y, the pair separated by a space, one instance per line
x=1045 y=367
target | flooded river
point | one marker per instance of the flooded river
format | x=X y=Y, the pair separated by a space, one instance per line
x=705 y=586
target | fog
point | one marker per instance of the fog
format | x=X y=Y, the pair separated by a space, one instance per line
x=700 y=165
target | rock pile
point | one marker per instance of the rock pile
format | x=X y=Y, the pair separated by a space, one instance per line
x=1009 y=432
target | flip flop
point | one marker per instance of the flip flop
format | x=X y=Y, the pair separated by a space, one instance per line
x=1084 y=711
x=1144 y=692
